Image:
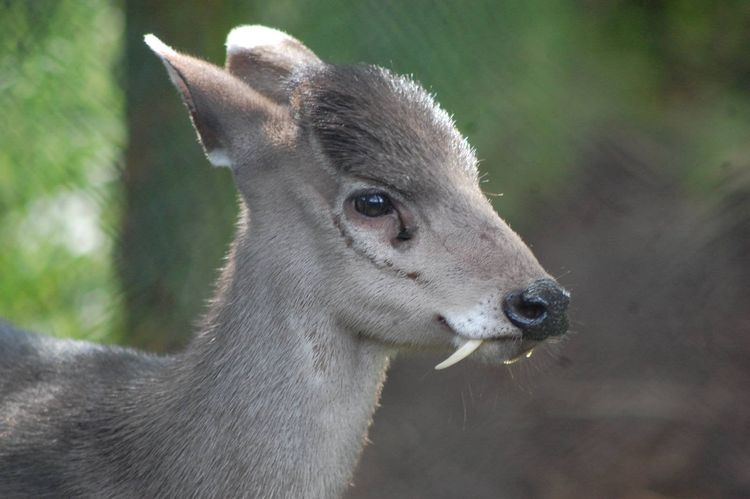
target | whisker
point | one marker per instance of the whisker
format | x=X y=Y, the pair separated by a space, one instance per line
x=566 y=272
x=493 y=194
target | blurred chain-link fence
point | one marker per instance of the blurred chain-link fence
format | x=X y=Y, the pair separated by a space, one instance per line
x=617 y=131
x=61 y=136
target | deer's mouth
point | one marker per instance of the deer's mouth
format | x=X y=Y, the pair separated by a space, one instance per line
x=507 y=348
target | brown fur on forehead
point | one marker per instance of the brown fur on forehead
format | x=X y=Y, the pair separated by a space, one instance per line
x=375 y=124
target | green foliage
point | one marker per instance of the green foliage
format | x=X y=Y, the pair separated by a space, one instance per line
x=61 y=136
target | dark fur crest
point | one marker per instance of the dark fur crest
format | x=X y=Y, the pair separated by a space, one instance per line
x=365 y=115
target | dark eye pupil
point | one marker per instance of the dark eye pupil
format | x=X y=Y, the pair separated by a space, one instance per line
x=373 y=204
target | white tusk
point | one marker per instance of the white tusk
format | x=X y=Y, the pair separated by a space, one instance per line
x=463 y=351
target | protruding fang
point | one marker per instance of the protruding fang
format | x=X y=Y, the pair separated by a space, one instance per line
x=518 y=357
x=463 y=351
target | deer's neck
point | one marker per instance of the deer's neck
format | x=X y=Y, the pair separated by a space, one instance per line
x=273 y=396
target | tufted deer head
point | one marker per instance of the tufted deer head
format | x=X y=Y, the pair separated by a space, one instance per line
x=363 y=193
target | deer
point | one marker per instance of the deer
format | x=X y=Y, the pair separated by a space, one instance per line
x=362 y=232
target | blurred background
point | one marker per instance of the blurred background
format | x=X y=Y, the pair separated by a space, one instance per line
x=616 y=133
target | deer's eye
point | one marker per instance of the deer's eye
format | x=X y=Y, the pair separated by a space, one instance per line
x=373 y=204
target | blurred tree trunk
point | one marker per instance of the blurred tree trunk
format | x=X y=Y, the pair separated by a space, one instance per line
x=178 y=212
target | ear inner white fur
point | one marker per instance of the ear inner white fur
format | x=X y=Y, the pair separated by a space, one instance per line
x=218 y=157
x=163 y=51
x=250 y=37
x=158 y=46
x=265 y=59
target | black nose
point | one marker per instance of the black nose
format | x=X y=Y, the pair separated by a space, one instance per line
x=539 y=310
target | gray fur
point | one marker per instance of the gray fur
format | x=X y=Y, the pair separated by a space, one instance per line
x=274 y=395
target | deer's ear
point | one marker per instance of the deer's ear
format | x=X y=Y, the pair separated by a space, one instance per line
x=226 y=113
x=265 y=58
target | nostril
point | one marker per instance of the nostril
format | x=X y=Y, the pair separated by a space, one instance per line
x=524 y=312
x=532 y=311
x=540 y=310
